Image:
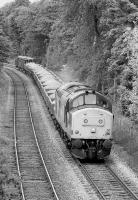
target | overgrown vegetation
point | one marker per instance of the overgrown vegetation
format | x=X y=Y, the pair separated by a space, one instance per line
x=9 y=183
x=97 y=39
x=4 y=43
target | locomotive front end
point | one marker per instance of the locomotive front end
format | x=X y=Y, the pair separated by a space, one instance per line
x=86 y=119
x=92 y=132
x=92 y=121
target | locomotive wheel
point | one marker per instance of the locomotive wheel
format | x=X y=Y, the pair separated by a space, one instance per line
x=69 y=144
x=61 y=133
x=91 y=153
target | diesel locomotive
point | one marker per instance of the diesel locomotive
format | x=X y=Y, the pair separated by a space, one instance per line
x=83 y=116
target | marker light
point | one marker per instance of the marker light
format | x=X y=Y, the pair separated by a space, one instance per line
x=100 y=121
x=85 y=121
x=93 y=130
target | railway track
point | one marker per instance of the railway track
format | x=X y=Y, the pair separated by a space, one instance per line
x=107 y=184
x=35 y=180
x=118 y=188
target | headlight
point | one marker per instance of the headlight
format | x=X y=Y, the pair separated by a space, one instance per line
x=85 y=121
x=76 y=132
x=93 y=130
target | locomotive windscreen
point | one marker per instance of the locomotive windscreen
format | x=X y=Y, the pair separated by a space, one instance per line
x=90 y=99
x=79 y=101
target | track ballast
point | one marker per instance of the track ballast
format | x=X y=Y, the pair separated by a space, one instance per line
x=106 y=182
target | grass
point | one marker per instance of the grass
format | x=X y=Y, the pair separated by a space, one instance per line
x=9 y=182
x=125 y=132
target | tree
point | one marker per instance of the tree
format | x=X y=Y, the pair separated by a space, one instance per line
x=124 y=20
x=94 y=38
x=4 y=44
x=24 y=3
x=28 y=25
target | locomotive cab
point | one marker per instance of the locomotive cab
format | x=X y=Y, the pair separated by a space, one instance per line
x=86 y=116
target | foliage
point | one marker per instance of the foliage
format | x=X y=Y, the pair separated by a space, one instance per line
x=4 y=44
x=95 y=38
x=28 y=25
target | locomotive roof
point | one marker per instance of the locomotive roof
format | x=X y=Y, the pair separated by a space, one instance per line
x=69 y=85
x=73 y=89
x=85 y=90
x=50 y=84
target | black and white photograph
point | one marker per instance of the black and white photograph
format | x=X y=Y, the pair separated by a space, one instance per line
x=68 y=99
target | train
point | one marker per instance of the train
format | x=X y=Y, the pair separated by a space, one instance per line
x=82 y=115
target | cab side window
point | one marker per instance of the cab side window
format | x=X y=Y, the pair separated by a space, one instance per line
x=78 y=102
